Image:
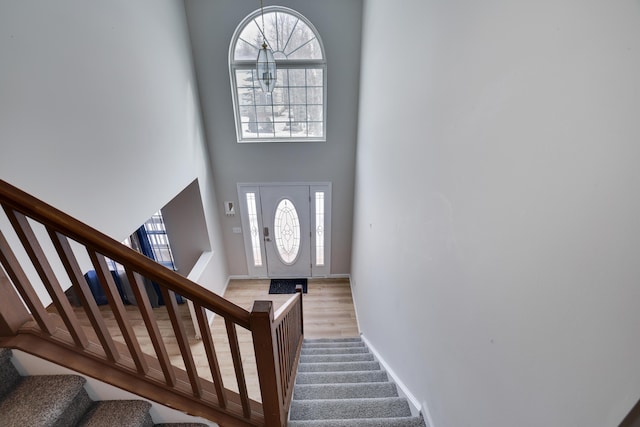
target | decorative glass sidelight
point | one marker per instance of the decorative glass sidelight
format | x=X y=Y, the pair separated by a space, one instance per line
x=319 y=228
x=255 y=231
x=286 y=231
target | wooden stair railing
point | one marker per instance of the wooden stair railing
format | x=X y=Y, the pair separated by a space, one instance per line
x=26 y=324
x=633 y=417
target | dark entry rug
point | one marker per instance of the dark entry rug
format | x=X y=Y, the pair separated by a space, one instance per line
x=287 y=286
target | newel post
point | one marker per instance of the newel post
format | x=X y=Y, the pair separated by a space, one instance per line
x=267 y=361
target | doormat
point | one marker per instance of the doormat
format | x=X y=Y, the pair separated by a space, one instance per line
x=287 y=286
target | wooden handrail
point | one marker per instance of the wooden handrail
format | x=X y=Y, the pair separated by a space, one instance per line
x=80 y=232
x=91 y=349
x=633 y=417
x=285 y=308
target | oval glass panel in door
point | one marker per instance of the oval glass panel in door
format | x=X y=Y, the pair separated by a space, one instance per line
x=286 y=230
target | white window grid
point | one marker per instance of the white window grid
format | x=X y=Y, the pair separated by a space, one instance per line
x=296 y=111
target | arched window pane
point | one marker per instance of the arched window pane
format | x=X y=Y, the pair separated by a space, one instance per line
x=311 y=49
x=296 y=106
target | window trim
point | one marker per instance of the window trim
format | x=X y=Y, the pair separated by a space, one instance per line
x=281 y=64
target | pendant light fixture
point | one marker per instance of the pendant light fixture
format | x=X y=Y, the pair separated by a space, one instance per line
x=266 y=64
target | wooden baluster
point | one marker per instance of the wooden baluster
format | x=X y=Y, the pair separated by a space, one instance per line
x=299 y=290
x=297 y=321
x=181 y=337
x=293 y=340
x=49 y=280
x=23 y=286
x=117 y=307
x=209 y=348
x=146 y=311
x=282 y=354
x=291 y=334
x=237 y=364
x=266 y=349
x=68 y=258
x=13 y=314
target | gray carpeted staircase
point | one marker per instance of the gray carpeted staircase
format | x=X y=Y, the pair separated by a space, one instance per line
x=340 y=384
x=62 y=401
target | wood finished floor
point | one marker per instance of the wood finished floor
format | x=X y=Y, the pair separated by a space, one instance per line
x=328 y=313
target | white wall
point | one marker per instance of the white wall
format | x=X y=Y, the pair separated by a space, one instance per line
x=212 y=24
x=99 y=111
x=495 y=259
x=186 y=228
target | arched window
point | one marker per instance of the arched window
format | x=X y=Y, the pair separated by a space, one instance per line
x=296 y=110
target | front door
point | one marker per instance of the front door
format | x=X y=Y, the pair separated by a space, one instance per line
x=286 y=229
x=285 y=218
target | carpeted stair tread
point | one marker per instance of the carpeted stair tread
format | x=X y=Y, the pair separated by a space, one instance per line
x=45 y=400
x=336 y=358
x=121 y=413
x=344 y=391
x=340 y=383
x=341 y=344
x=387 y=407
x=180 y=425
x=62 y=401
x=9 y=375
x=341 y=377
x=362 y=422
x=332 y=340
x=5 y=354
x=339 y=350
x=339 y=367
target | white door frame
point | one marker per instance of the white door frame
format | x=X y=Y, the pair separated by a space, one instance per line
x=253 y=234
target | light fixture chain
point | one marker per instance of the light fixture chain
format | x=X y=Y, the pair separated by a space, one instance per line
x=264 y=36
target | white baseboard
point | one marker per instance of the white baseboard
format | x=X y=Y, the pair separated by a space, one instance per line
x=355 y=304
x=403 y=391
x=247 y=277
x=240 y=277
x=339 y=276
x=226 y=285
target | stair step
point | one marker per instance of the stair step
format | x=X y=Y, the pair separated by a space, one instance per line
x=9 y=376
x=339 y=350
x=180 y=425
x=388 y=407
x=317 y=340
x=121 y=413
x=362 y=422
x=341 y=377
x=51 y=400
x=62 y=401
x=327 y=344
x=339 y=367
x=336 y=358
x=340 y=384
x=344 y=391
x=5 y=354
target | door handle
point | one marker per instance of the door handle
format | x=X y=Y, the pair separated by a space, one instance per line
x=266 y=234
